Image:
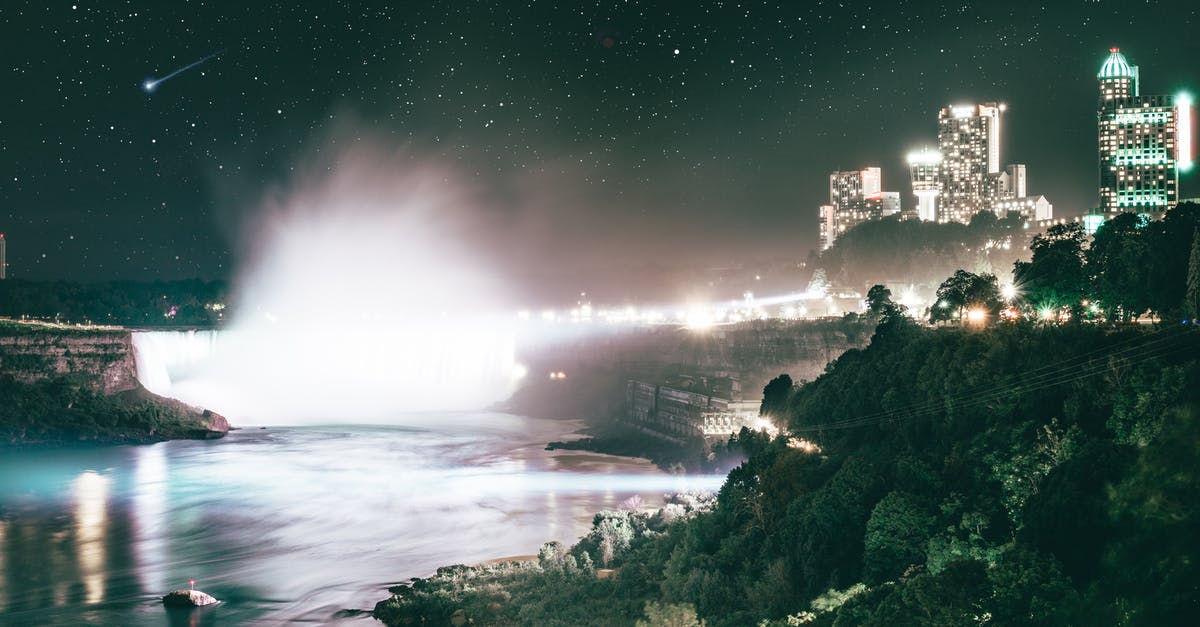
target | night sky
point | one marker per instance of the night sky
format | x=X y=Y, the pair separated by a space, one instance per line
x=593 y=133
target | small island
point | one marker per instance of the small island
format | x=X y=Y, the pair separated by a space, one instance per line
x=66 y=384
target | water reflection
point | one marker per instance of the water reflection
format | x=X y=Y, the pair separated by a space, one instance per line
x=91 y=524
x=289 y=524
x=149 y=515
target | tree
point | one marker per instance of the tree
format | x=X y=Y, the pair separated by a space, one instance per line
x=897 y=534
x=1117 y=264
x=965 y=290
x=670 y=615
x=1170 y=250
x=879 y=298
x=776 y=395
x=1191 y=297
x=1054 y=278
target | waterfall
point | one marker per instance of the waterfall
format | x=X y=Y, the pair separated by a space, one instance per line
x=163 y=357
x=367 y=372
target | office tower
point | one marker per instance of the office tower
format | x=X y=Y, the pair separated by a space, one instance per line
x=1143 y=141
x=855 y=197
x=969 y=141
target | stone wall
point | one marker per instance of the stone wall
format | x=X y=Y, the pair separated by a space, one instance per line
x=100 y=359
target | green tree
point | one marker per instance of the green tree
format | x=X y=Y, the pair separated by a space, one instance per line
x=776 y=395
x=1191 y=297
x=669 y=615
x=897 y=534
x=963 y=291
x=1171 y=245
x=1117 y=264
x=1055 y=277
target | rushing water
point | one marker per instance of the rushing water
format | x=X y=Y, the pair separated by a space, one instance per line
x=290 y=524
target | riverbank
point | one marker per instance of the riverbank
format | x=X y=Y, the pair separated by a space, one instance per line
x=55 y=413
x=65 y=385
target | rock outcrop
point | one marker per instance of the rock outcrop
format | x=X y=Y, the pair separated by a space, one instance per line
x=66 y=384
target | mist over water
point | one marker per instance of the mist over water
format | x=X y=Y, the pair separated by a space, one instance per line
x=291 y=524
x=361 y=296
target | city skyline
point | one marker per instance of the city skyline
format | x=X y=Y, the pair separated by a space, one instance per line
x=581 y=136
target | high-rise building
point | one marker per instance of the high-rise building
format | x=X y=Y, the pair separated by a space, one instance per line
x=925 y=167
x=964 y=176
x=969 y=140
x=1143 y=141
x=855 y=197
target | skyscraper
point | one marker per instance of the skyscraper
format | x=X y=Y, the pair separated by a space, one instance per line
x=1142 y=140
x=969 y=140
x=964 y=176
x=855 y=197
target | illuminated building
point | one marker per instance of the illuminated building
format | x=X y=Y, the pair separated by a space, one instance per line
x=855 y=197
x=969 y=141
x=1144 y=141
x=964 y=176
x=1012 y=182
x=925 y=167
x=1031 y=208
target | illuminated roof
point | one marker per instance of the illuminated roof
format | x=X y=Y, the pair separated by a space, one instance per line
x=924 y=157
x=1116 y=66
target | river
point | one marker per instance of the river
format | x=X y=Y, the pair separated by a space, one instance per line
x=292 y=524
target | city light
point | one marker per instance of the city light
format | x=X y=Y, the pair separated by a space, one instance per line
x=924 y=157
x=1183 y=141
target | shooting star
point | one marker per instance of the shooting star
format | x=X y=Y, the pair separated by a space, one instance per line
x=151 y=84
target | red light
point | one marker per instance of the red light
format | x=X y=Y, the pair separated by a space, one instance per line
x=1114 y=49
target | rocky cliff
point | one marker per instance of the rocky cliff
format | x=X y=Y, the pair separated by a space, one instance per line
x=65 y=384
x=98 y=357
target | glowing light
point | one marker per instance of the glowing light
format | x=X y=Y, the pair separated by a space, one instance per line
x=924 y=157
x=1047 y=313
x=1183 y=140
x=962 y=111
x=149 y=86
x=421 y=337
x=1008 y=291
x=699 y=319
x=976 y=315
x=803 y=445
x=91 y=526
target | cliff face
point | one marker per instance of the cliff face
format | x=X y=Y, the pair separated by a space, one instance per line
x=99 y=359
x=65 y=384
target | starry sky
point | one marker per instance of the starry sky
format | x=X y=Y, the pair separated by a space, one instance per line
x=629 y=132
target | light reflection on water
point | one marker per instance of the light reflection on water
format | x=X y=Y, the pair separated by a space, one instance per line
x=291 y=524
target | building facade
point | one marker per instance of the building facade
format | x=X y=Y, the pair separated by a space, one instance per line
x=855 y=197
x=925 y=169
x=969 y=141
x=964 y=175
x=1138 y=137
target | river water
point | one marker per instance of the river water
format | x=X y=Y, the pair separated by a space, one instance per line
x=291 y=524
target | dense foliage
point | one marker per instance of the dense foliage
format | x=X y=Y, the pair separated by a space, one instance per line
x=1131 y=266
x=920 y=252
x=1012 y=475
x=64 y=409
x=129 y=303
x=1016 y=474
